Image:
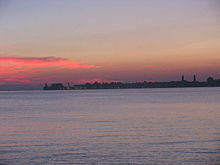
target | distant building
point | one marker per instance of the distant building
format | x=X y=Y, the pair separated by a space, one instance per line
x=55 y=86
x=45 y=86
x=210 y=79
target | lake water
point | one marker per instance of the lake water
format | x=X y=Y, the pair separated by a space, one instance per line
x=178 y=126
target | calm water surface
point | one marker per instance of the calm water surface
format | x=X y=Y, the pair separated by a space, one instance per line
x=130 y=126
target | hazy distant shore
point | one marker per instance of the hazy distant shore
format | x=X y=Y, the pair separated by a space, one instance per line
x=211 y=82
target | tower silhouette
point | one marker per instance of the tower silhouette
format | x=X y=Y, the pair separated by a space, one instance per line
x=194 y=78
x=183 y=78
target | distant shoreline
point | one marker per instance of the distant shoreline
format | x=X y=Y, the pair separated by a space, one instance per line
x=211 y=82
x=39 y=90
x=122 y=88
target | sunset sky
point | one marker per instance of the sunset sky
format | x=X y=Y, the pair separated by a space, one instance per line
x=81 y=41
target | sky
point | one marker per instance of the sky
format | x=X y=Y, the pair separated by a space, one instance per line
x=108 y=40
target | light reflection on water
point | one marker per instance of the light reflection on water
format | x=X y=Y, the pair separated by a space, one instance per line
x=132 y=126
